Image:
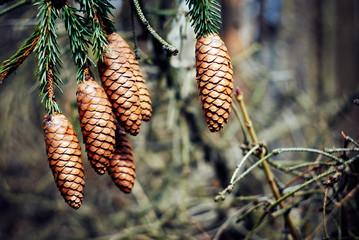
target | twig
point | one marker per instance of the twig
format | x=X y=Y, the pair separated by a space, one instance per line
x=337 y=207
x=333 y=150
x=268 y=173
x=244 y=215
x=347 y=138
x=310 y=150
x=299 y=176
x=236 y=112
x=220 y=195
x=285 y=196
x=248 y=122
x=284 y=169
x=314 y=164
x=14 y=6
x=240 y=164
x=170 y=50
x=324 y=215
x=134 y=35
x=195 y=222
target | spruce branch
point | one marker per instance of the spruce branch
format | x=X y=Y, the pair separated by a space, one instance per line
x=79 y=39
x=48 y=56
x=97 y=12
x=10 y=65
x=205 y=16
x=169 y=49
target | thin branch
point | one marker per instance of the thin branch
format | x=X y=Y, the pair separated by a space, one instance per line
x=247 y=119
x=334 y=211
x=221 y=196
x=333 y=150
x=310 y=150
x=267 y=171
x=240 y=164
x=170 y=50
x=285 y=196
x=14 y=6
x=236 y=112
x=255 y=207
x=347 y=138
x=134 y=35
x=324 y=214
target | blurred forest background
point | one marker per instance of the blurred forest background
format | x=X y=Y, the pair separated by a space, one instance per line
x=296 y=62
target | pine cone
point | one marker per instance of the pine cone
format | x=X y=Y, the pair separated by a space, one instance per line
x=120 y=85
x=146 y=103
x=64 y=156
x=97 y=124
x=122 y=164
x=214 y=80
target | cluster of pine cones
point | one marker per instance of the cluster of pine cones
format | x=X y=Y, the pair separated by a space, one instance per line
x=106 y=114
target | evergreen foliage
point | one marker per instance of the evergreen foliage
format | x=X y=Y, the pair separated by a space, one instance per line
x=98 y=11
x=79 y=39
x=48 y=54
x=88 y=25
x=205 y=16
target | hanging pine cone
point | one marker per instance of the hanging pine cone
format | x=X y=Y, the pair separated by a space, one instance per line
x=120 y=85
x=64 y=156
x=214 y=80
x=122 y=164
x=146 y=103
x=97 y=124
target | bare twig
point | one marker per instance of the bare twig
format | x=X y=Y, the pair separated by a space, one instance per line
x=267 y=171
x=334 y=211
x=324 y=214
x=285 y=196
x=171 y=50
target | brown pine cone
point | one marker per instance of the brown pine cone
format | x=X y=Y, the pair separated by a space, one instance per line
x=120 y=85
x=64 y=156
x=146 y=103
x=214 y=80
x=122 y=164
x=97 y=124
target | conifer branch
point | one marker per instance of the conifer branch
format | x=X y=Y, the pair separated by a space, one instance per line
x=10 y=65
x=78 y=35
x=205 y=16
x=97 y=12
x=48 y=56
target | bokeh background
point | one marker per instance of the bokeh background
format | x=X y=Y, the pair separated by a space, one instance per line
x=296 y=62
